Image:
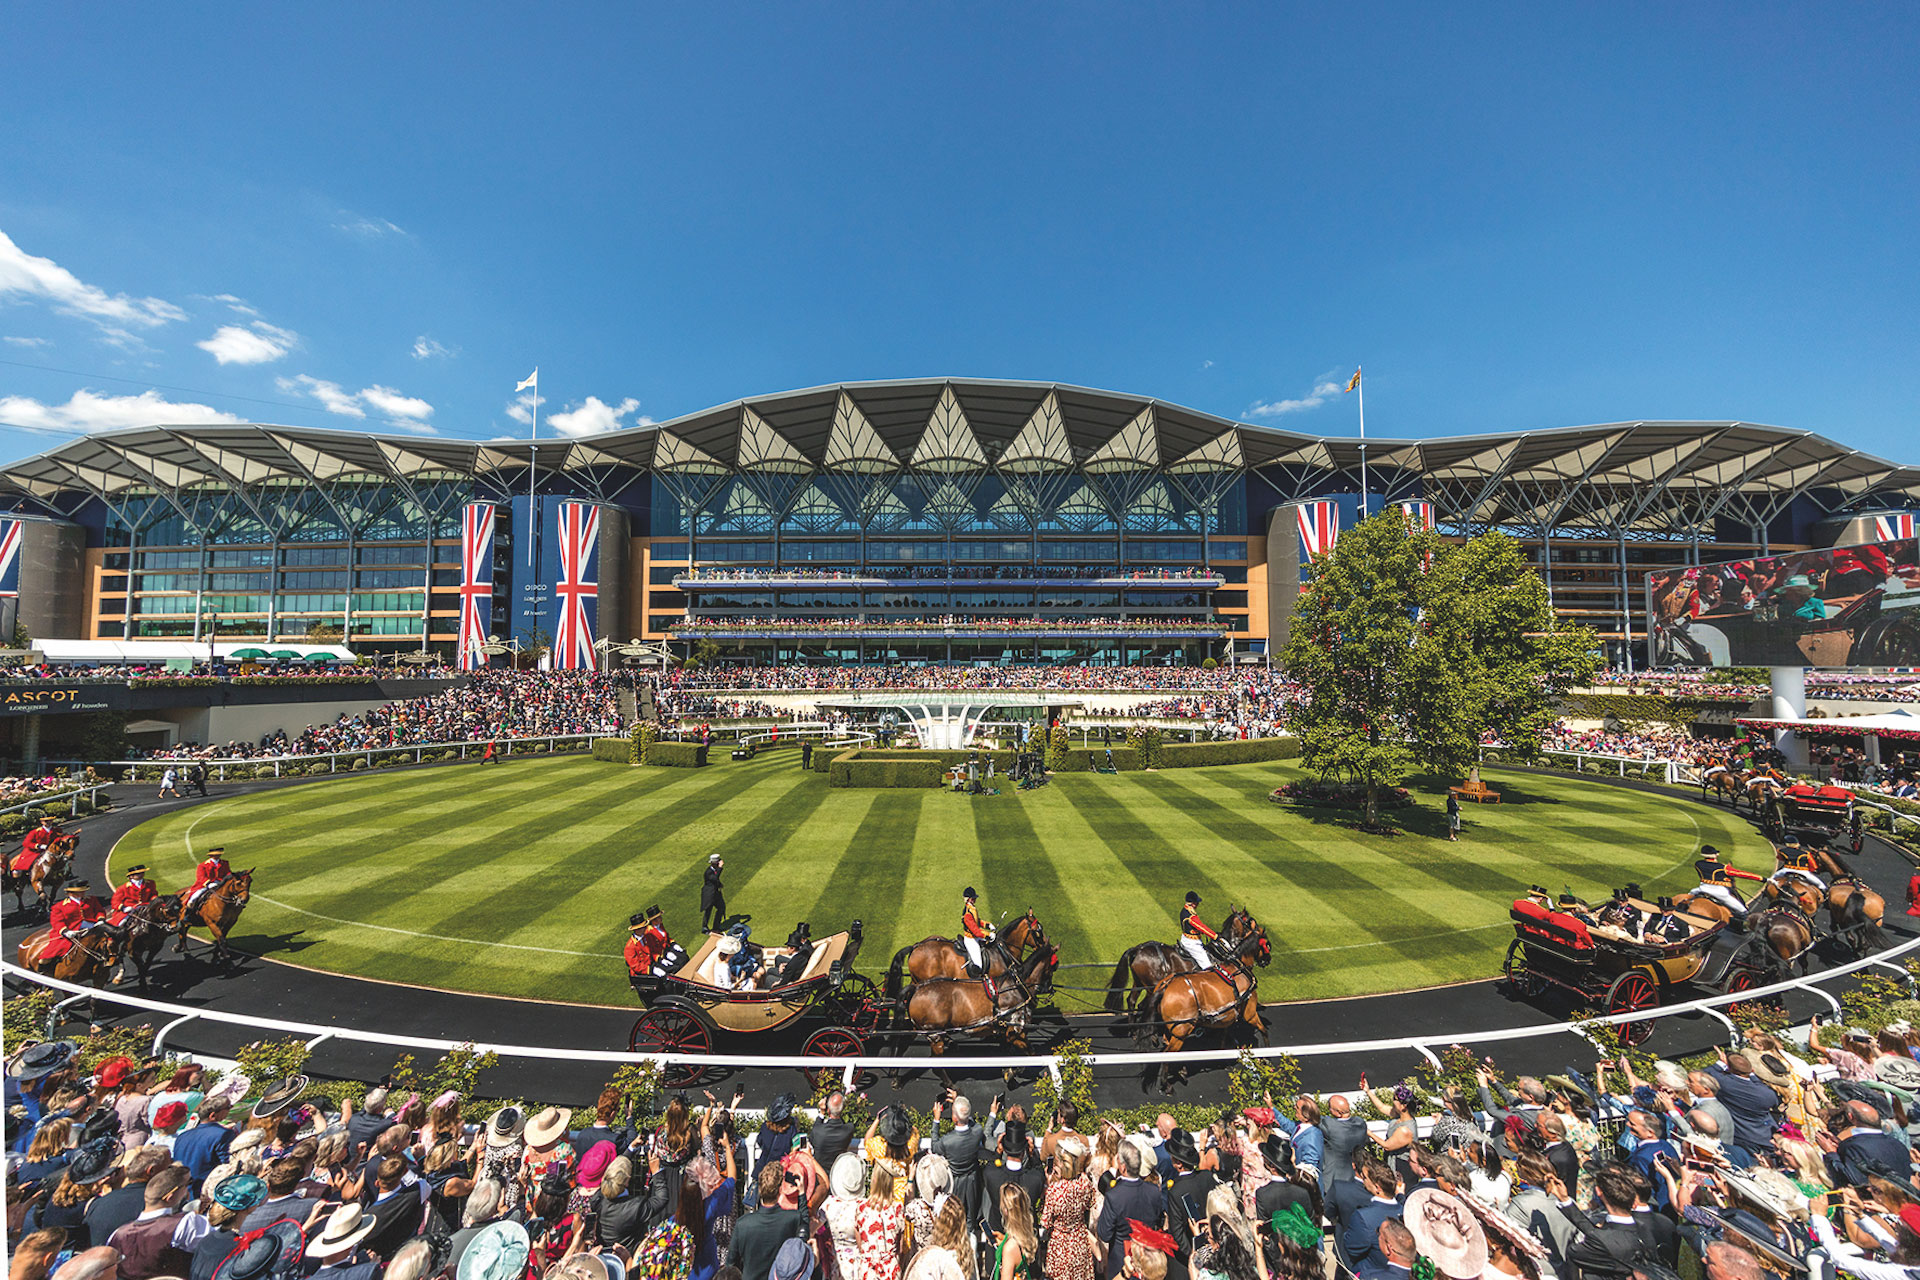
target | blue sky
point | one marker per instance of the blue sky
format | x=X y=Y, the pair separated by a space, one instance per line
x=384 y=216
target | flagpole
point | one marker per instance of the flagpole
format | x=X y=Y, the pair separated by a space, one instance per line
x=1361 y=387
x=533 y=466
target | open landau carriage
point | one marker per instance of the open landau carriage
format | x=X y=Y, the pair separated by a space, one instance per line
x=1602 y=965
x=1826 y=813
x=688 y=1008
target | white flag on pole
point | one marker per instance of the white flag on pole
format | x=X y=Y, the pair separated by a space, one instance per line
x=532 y=381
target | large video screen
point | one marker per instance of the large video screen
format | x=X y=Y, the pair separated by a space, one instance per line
x=1839 y=607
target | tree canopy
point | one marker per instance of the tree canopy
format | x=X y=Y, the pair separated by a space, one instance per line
x=1410 y=647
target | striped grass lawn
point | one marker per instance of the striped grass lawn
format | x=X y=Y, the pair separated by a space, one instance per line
x=517 y=879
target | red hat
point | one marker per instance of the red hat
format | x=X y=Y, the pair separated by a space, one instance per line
x=170 y=1117
x=113 y=1072
x=1152 y=1237
x=1262 y=1116
x=1910 y=1214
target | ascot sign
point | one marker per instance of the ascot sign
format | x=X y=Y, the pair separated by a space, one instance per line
x=24 y=701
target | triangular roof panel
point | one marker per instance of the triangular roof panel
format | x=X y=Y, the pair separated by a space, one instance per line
x=762 y=448
x=948 y=443
x=1134 y=447
x=853 y=444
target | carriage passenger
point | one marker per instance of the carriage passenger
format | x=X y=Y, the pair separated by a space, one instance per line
x=1667 y=926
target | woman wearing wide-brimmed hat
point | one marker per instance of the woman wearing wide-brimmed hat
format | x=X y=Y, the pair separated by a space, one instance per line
x=498 y=1153
x=546 y=1139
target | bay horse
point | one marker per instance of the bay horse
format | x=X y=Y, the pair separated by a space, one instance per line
x=1227 y=996
x=218 y=912
x=48 y=874
x=1149 y=963
x=944 y=1007
x=945 y=958
x=87 y=962
x=147 y=929
x=1854 y=909
x=1760 y=788
x=1723 y=781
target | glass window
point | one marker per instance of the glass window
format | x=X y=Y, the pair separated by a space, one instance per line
x=322 y=580
x=112 y=583
x=394 y=553
x=391 y=578
x=1151 y=554
x=666 y=599
x=669 y=550
x=736 y=599
x=735 y=552
x=819 y=600
x=1227 y=550
x=965 y=551
x=1088 y=551
x=1230 y=599
x=115 y=559
x=241 y=557
x=663 y=575
x=294 y=557
x=818 y=552
x=169 y=559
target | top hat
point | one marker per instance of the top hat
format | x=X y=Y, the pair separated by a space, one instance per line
x=137 y=869
x=1181 y=1148
x=80 y=886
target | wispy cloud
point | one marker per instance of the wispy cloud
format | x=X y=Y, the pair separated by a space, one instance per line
x=262 y=343
x=594 y=416
x=1321 y=393
x=235 y=304
x=87 y=411
x=521 y=407
x=1206 y=364
x=29 y=343
x=429 y=348
x=23 y=275
x=405 y=412
x=365 y=228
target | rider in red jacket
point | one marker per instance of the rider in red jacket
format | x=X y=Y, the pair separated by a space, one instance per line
x=208 y=875
x=71 y=918
x=38 y=841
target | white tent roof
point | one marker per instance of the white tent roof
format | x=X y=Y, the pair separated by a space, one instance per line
x=155 y=651
x=1900 y=721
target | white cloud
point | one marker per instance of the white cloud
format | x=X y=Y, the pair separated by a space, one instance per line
x=522 y=407
x=408 y=413
x=426 y=348
x=365 y=228
x=87 y=411
x=262 y=344
x=332 y=397
x=1321 y=393
x=593 y=416
x=24 y=275
x=1206 y=364
x=27 y=342
x=233 y=303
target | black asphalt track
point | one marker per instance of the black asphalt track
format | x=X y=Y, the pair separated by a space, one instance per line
x=261 y=986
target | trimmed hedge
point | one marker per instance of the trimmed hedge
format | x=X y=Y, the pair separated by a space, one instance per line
x=678 y=755
x=852 y=769
x=613 y=750
x=1190 y=755
x=1085 y=760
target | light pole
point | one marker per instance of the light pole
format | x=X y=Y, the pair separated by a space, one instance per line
x=211 y=621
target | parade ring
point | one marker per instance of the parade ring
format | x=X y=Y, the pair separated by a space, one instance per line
x=289 y=985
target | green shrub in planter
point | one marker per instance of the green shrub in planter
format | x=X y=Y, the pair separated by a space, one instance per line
x=613 y=750
x=853 y=769
x=359 y=763
x=678 y=755
x=1189 y=755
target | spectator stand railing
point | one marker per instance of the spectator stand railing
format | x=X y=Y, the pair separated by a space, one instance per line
x=152 y=770
x=826 y=735
x=317 y=1034
x=72 y=795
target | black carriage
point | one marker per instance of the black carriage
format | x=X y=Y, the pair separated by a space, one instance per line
x=1602 y=965
x=1820 y=816
x=688 y=1009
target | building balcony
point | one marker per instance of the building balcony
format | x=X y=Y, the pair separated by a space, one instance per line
x=946 y=628
x=1027 y=576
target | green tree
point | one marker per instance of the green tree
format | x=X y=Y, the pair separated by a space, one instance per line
x=1410 y=647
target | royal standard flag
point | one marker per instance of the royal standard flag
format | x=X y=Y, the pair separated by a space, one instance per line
x=1354 y=381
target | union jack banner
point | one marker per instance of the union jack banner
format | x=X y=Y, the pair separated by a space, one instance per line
x=1890 y=527
x=1319 y=528
x=1419 y=514
x=578 y=586
x=10 y=534
x=476 y=582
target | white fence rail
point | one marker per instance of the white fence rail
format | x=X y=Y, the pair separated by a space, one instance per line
x=1669 y=771
x=828 y=735
x=315 y=1033
x=151 y=770
x=70 y=796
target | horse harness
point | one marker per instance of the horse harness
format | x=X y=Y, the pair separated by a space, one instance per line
x=1238 y=966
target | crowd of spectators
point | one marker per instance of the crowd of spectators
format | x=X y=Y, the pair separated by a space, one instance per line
x=841 y=678
x=490 y=706
x=941 y=622
x=18 y=791
x=1838 y=686
x=148 y=672
x=1780 y=1156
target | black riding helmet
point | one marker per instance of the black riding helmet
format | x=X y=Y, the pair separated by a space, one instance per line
x=1193 y=899
x=970 y=893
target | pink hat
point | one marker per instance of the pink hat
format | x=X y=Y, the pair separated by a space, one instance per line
x=594 y=1164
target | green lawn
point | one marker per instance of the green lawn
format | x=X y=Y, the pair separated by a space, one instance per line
x=518 y=878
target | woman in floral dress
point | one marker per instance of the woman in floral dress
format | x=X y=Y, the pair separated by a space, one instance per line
x=877 y=1224
x=1065 y=1210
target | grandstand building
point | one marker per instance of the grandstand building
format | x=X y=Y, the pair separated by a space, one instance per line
x=914 y=520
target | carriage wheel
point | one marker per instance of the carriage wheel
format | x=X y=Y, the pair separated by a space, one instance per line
x=669 y=1030
x=830 y=1042
x=1524 y=981
x=1744 y=979
x=1631 y=993
x=855 y=1003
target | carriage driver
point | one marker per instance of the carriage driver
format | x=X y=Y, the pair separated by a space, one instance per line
x=974 y=932
x=37 y=842
x=1194 y=933
x=209 y=875
x=1797 y=857
x=1716 y=880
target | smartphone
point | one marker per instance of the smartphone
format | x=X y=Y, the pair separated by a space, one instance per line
x=1192 y=1207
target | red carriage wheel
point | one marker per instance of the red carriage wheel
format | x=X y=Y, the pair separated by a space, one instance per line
x=670 y=1030
x=1742 y=980
x=830 y=1042
x=1630 y=993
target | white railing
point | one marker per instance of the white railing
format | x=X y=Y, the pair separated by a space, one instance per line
x=829 y=735
x=151 y=770
x=1671 y=771
x=315 y=1033
x=92 y=793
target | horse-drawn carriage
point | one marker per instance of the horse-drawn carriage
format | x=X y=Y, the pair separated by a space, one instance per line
x=1605 y=966
x=1826 y=813
x=688 y=1008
